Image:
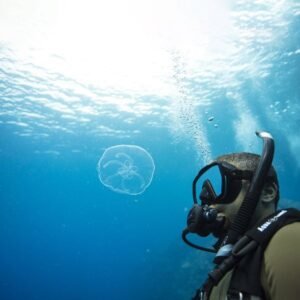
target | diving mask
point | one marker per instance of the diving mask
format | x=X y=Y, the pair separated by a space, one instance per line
x=218 y=183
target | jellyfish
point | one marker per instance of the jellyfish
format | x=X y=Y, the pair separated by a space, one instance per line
x=126 y=169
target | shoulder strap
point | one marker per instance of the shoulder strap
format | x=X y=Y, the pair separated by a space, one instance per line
x=246 y=276
x=270 y=225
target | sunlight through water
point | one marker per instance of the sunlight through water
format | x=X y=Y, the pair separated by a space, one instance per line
x=64 y=63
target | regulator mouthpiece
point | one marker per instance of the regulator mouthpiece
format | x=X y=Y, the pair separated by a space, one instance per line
x=202 y=220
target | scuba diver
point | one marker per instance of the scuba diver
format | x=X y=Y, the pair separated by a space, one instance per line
x=258 y=246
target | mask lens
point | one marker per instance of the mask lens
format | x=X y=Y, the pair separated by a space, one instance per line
x=209 y=185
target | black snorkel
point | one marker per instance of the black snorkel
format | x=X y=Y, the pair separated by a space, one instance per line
x=246 y=211
x=208 y=216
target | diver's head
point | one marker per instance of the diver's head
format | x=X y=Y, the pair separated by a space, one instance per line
x=237 y=188
x=233 y=193
x=224 y=184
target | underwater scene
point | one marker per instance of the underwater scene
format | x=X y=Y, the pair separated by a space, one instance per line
x=108 y=109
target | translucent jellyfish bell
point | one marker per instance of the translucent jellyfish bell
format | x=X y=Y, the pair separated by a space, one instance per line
x=126 y=169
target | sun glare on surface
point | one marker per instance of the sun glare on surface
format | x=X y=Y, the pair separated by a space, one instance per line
x=117 y=43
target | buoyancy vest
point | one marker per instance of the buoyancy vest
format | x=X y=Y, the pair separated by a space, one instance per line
x=246 y=261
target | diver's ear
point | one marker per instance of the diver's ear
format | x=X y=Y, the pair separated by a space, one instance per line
x=269 y=192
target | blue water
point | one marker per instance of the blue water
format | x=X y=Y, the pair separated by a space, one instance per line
x=66 y=236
